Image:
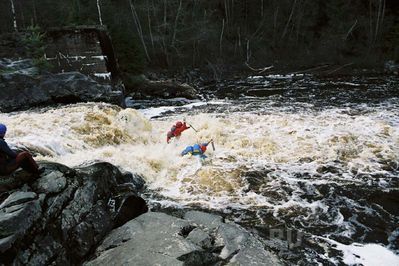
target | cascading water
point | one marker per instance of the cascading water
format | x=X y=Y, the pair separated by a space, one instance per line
x=327 y=170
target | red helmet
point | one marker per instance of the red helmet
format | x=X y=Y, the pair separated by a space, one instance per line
x=179 y=124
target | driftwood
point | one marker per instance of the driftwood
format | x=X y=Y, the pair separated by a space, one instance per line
x=310 y=69
x=339 y=68
x=259 y=70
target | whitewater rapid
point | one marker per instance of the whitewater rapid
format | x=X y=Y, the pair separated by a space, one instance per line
x=286 y=142
x=272 y=164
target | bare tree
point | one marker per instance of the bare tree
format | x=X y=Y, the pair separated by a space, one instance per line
x=380 y=18
x=34 y=13
x=150 y=24
x=14 y=16
x=248 y=52
x=375 y=28
x=350 y=30
x=226 y=10
x=138 y=27
x=261 y=9
x=99 y=12
x=221 y=38
x=275 y=24
x=289 y=19
x=176 y=21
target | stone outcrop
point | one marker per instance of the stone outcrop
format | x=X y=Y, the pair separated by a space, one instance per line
x=61 y=216
x=20 y=90
x=82 y=67
x=144 y=88
x=198 y=239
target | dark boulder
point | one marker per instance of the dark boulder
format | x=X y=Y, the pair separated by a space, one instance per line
x=145 y=88
x=15 y=180
x=61 y=216
x=21 y=87
x=20 y=91
x=75 y=87
x=199 y=239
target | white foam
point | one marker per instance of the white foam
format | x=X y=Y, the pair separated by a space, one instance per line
x=347 y=83
x=106 y=75
x=76 y=57
x=288 y=143
x=100 y=57
x=275 y=76
x=157 y=111
x=366 y=254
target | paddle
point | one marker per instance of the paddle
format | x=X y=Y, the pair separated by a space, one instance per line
x=184 y=120
x=213 y=145
x=192 y=127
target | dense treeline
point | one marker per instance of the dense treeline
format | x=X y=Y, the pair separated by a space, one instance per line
x=215 y=33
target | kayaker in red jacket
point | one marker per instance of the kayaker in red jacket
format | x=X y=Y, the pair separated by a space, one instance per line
x=176 y=130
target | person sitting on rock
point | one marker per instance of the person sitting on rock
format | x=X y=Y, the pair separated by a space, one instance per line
x=11 y=161
x=176 y=130
x=196 y=149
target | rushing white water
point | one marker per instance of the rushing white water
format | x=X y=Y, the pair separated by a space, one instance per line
x=367 y=255
x=285 y=142
x=273 y=163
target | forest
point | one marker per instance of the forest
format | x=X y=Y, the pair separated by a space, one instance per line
x=225 y=34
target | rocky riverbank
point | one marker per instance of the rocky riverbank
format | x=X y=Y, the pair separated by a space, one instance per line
x=22 y=87
x=61 y=216
x=197 y=238
x=69 y=216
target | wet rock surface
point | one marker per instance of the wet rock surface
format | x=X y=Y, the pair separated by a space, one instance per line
x=198 y=239
x=22 y=88
x=23 y=92
x=166 y=89
x=320 y=90
x=62 y=215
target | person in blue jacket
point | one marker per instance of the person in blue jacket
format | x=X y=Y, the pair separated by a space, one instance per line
x=196 y=149
x=11 y=161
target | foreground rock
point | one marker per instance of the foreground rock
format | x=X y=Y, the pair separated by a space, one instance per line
x=61 y=216
x=197 y=239
x=22 y=88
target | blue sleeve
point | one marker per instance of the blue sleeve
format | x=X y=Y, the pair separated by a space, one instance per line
x=5 y=149
x=188 y=149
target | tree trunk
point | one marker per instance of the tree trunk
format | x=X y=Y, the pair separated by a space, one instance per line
x=138 y=27
x=14 y=16
x=275 y=26
x=248 y=52
x=289 y=19
x=221 y=38
x=35 y=13
x=176 y=21
x=149 y=24
x=99 y=12
x=350 y=30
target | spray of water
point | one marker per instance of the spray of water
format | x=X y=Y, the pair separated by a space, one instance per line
x=286 y=143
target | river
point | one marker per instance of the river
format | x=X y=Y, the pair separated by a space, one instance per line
x=309 y=164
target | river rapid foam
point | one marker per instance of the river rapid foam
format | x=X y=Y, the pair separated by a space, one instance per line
x=329 y=172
